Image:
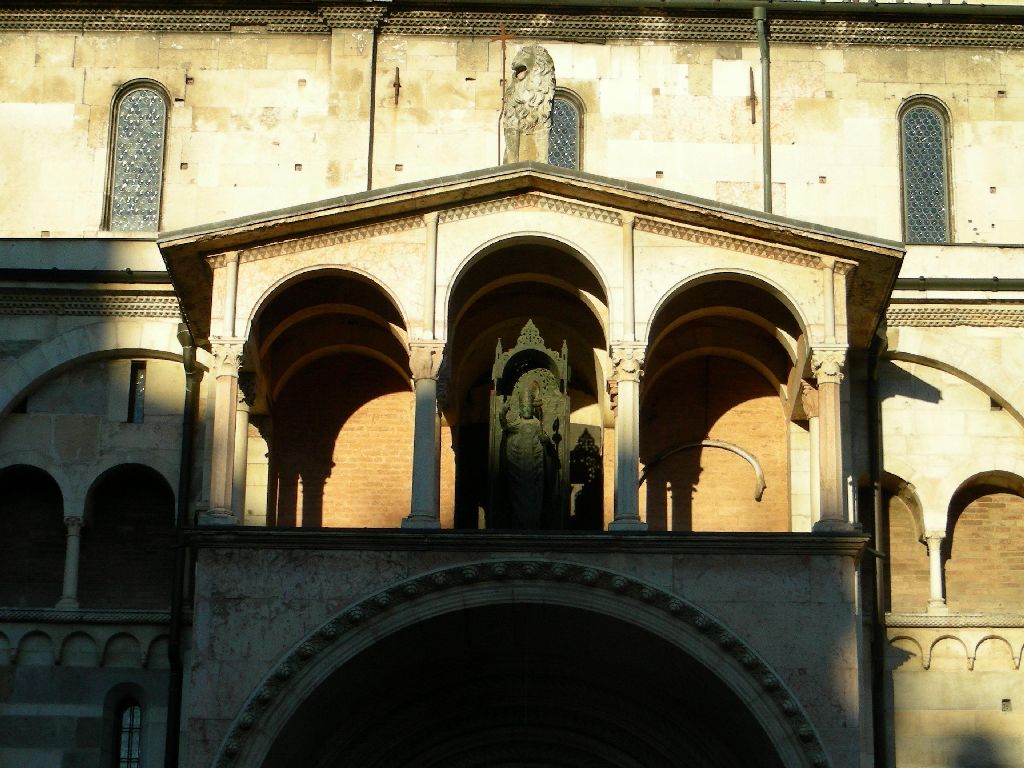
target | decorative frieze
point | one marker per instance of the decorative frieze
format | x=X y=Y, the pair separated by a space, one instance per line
x=972 y=315
x=105 y=304
x=591 y=27
x=329 y=239
x=533 y=200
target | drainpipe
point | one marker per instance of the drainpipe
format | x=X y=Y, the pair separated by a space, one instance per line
x=761 y=17
x=879 y=556
x=193 y=376
x=373 y=106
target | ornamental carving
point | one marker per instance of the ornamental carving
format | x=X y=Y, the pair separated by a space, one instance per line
x=827 y=365
x=527 y=105
x=425 y=359
x=628 y=362
x=229 y=357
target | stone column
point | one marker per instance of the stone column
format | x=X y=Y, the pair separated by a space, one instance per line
x=625 y=386
x=228 y=356
x=240 y=465
x=809 y=398
x=69 y=594
x=827 y=364
x=937 y=597
x=425 y=361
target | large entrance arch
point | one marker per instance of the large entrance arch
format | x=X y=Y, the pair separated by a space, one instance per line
x=522 y=662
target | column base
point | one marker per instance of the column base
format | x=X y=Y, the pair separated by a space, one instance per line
x=626 y=526
x=835 y=526
x=938 y=607
x=216 y=517
x=421 y=522
x=67 y=604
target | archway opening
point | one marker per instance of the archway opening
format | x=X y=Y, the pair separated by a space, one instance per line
x=715 y=438
x=505 y=296
x=523 y=685
x=32 y=537
x=327 y=374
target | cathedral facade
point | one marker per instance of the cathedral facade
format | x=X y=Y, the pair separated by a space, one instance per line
x=475 y=384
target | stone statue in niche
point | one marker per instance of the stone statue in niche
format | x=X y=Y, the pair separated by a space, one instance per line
x=526 y=111
x=528 y=460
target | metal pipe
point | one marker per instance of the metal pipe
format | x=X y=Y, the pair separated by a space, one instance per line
x=761 y=17
x=193 y=377
x=959 y=284
x=373 y=107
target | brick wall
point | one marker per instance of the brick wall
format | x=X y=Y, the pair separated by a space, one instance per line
x=908 y=560
x=985 y=571
x=343 y=427
x=32 y=538
x=713 y=489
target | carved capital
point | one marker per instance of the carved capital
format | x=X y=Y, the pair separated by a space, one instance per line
x=74 y=524
x=425 y=359
x=809 y=398
x=628 y=361
x=229 y=356
x=827 y=365
x=934 y=539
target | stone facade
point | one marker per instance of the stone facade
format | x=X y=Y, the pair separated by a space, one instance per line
x=246 y=470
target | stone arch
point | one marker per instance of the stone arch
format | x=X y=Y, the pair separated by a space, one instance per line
x=36 y=649
x=902 y=649
x=79 y=650
x=521 y=582
x=506 y=286
x=311 y=272
x=127 y=550
x=32 y=537
x=724 y=349
x=906 y=566
x=994 y=652
x=984 y=519
x=948 y=650
x=342 y=327
x=101 y=340
x=122 y=650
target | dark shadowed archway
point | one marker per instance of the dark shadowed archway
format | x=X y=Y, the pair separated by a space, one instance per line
x=523 y=685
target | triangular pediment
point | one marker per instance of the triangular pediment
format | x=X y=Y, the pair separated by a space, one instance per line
x=872 y=263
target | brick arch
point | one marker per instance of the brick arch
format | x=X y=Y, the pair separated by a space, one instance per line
x=982 y=548
x=403 y=605
x=907 y=563
x=101 y=340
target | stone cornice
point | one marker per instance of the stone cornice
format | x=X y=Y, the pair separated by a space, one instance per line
x=81 y=616
x=106 y=304
x=815 y=25
x=745 y=544
x=954 y=620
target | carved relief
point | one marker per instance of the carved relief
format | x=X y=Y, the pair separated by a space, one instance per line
x=425 y=359
x=628 y=362
x=827 y=365
x=229 y=357
x=528 y=99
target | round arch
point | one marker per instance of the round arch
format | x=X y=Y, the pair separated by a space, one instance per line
x=314 y=272
x=494 y=245
x=522 y=582
x=86 y=344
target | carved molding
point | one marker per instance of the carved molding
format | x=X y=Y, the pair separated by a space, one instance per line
x=313 y=242
x=277 y=683
x=733 y=243
x=955 y=620
x=590 y=27
x=533 y=200
x=978 y=316
x=827 y=365
x=1005 y=643
x=106 y=305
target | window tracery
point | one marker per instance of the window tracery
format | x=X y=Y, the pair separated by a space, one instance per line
x=925 y=175
x=564 y=138
x=136 y=178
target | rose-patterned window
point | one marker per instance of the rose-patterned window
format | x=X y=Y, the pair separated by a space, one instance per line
x=136 y=174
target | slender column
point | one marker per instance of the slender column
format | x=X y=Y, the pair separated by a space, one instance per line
x=430 y=287
x=827 y=365
x=629 y=361
x=230 y=293
x=937 y=597
x=628 y=289
x=809 y=396
x=246 y=391
x=828 y=289
x=69 y=594
x=228 y=354
x=425 y=361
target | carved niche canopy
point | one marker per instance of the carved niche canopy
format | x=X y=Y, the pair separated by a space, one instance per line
x=528 y=459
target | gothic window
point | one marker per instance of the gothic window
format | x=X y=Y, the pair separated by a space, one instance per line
x=127 y=736
x=564 y=139
x=925 y=174
x=136 y=174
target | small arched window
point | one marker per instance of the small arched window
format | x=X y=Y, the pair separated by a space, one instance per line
x=564 y=138
x=127 y=750
x=923 y=137
x=137 y=165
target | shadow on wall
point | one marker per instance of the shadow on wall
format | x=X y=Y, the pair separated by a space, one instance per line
x=976 y=751
x=894 y=381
